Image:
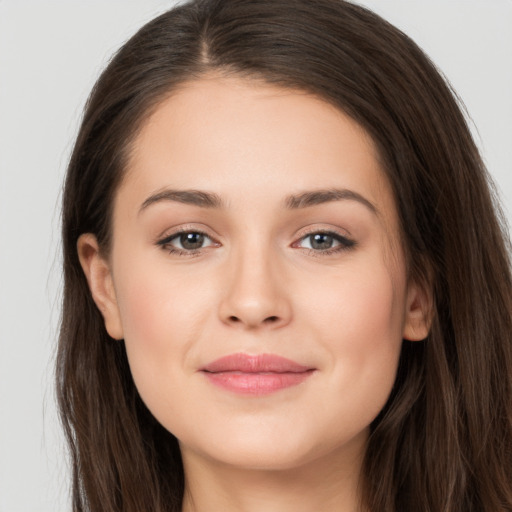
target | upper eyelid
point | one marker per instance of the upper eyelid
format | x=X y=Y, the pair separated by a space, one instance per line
x=334 y=234
x=176 y=234
x=204 y=232
x=341 y=239
x=328 y=231
x=169 y=235
x=324 y=228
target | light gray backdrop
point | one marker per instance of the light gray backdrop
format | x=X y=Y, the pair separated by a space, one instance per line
x=50 y=54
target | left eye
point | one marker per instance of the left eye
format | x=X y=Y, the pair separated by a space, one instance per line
x=187 y=241
x=324 y=241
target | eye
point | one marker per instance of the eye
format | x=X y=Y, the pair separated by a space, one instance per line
x=186 y=242
x=325 y=241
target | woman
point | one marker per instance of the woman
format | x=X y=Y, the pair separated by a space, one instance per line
x=286 y=283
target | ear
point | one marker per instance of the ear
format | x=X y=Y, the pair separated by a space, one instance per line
x=99 y=277
x=418 y=313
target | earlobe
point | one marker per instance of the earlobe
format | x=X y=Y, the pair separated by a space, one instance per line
x=418 y=313
x=99 y=277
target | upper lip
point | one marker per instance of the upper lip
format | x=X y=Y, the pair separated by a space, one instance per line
x=260 y=363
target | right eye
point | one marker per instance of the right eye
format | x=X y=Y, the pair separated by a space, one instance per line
x=186 y=242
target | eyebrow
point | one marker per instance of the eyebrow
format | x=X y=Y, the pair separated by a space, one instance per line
x=315 y=197
x=302 y=200
x=193 y=197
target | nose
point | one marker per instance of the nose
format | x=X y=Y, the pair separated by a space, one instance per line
x=255 y=293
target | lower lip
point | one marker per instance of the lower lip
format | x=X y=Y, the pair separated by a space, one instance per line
x=256 y=383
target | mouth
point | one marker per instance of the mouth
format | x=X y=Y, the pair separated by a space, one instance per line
x=255 y=374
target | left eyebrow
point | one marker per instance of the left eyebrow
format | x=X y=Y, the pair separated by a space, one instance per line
x=315 y=197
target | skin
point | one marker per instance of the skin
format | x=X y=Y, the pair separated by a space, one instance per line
x=258 y=285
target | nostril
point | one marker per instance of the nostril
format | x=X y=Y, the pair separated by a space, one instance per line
x=266 y=321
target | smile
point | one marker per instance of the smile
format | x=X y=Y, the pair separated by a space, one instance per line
x=255 y=374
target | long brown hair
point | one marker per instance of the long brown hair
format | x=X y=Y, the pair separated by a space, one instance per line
x=443 y=442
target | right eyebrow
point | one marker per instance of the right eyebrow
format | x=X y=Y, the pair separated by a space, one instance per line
x=193 y=197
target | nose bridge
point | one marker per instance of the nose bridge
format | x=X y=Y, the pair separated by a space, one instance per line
x=254 y=294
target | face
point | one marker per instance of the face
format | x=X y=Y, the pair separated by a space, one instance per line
x=256 y=275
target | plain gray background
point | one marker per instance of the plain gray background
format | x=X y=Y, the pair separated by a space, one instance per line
x=50 y=55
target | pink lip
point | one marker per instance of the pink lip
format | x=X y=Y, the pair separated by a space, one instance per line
x=255 y=375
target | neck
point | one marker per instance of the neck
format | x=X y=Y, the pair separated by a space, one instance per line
x=330 y=483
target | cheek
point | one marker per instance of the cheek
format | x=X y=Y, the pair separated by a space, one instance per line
x=361 y=323
x=374 y=310
x=162 y=314
x=356 y=302
x=377 y=310
x=157 y=302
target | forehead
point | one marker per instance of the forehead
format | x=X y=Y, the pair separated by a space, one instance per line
x=241 y=138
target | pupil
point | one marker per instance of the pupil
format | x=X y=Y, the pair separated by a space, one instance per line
x=321 y=241
x=192 y=240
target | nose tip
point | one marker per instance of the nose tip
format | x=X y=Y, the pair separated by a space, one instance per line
x=255 y=298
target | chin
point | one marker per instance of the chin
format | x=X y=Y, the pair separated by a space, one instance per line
x=270 y=450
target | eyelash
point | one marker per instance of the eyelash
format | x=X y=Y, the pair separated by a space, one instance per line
x=165 y=242
x=345 y=243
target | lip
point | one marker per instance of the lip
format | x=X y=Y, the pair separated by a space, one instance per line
x=260 y=374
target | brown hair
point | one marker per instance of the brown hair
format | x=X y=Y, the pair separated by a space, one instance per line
x=444 y=440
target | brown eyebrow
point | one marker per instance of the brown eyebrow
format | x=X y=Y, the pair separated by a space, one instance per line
x=315 y=197
x=296 y=201
x=194 y=197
